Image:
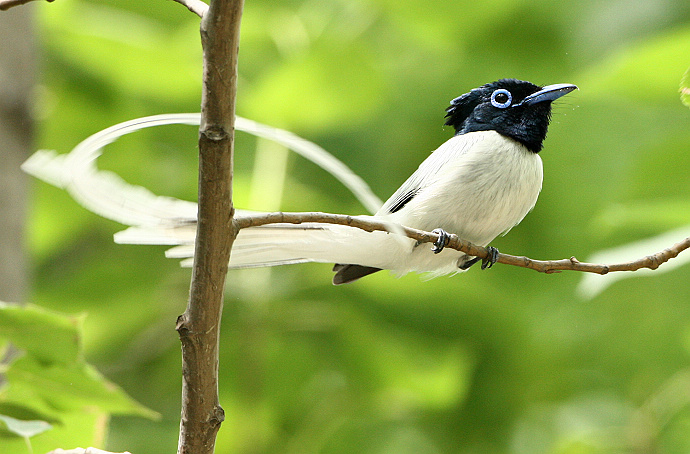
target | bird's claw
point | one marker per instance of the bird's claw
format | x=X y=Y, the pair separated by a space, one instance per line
x=441 y=242
x=489 y=261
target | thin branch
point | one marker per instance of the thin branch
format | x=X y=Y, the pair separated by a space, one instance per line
x=196 y=6
x=7 y=4
x=84 y=451
x=199 y=326
x=543 y=266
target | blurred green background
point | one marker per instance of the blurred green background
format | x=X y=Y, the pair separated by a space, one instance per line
x=501 y=361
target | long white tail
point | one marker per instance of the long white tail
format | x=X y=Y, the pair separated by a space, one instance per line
x=108 y=195
x=163 y=220
x=280 y=244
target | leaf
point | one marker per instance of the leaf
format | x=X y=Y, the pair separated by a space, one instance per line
x=76 y=429
x=50 y=377
x=53 y=389
x=46 y=335
x=24 y=428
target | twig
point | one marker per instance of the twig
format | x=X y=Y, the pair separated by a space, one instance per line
x=199 y=326
x=196 y=6
x=84 y=451
x=543 y=266
x=7 y=4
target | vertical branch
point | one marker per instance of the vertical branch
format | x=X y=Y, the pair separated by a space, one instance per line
x=199 y=326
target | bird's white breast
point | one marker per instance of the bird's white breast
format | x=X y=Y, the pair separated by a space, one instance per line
x=476 y=185
x=481 y=192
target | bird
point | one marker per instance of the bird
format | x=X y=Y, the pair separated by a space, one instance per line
x=478 y=185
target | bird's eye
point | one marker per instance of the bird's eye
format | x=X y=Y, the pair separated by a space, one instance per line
x=501 y=98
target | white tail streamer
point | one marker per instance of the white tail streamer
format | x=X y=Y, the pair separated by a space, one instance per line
x=108 y=195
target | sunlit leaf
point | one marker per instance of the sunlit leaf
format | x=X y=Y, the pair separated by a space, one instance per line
x=75 y=429
x=23 y=428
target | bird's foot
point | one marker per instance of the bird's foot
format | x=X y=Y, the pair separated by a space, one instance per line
x=442 y=242
x=486 y=263
x=491 y=259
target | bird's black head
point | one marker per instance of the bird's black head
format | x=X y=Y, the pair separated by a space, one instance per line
x=515 y=108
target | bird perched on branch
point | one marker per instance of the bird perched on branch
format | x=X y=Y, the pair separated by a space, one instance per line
x=478 y=185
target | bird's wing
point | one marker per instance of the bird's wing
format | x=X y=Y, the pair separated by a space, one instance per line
x=428 y=171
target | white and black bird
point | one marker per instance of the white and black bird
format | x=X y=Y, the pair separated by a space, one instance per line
x=478 y=185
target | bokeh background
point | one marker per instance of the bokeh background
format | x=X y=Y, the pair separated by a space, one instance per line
x=501 y=361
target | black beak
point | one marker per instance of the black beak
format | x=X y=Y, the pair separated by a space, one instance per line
x=548 y=93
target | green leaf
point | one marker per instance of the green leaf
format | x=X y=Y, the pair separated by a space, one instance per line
x=76 y=429
x=50 y=376
x=24 y=428
x=46 y=335
x=54 y=389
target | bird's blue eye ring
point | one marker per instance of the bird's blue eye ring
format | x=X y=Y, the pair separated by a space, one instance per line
x=501 y=98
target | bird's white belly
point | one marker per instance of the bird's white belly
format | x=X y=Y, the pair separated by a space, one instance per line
x=478 y=197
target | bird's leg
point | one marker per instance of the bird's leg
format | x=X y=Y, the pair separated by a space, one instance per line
x=443 y=238
x=468 y=264
x=486 y=263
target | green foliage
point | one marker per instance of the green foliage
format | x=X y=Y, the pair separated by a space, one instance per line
x=48 y=387
x=501 y=361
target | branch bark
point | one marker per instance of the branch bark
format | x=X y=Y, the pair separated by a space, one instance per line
x=543 y=266
x=199 y=326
